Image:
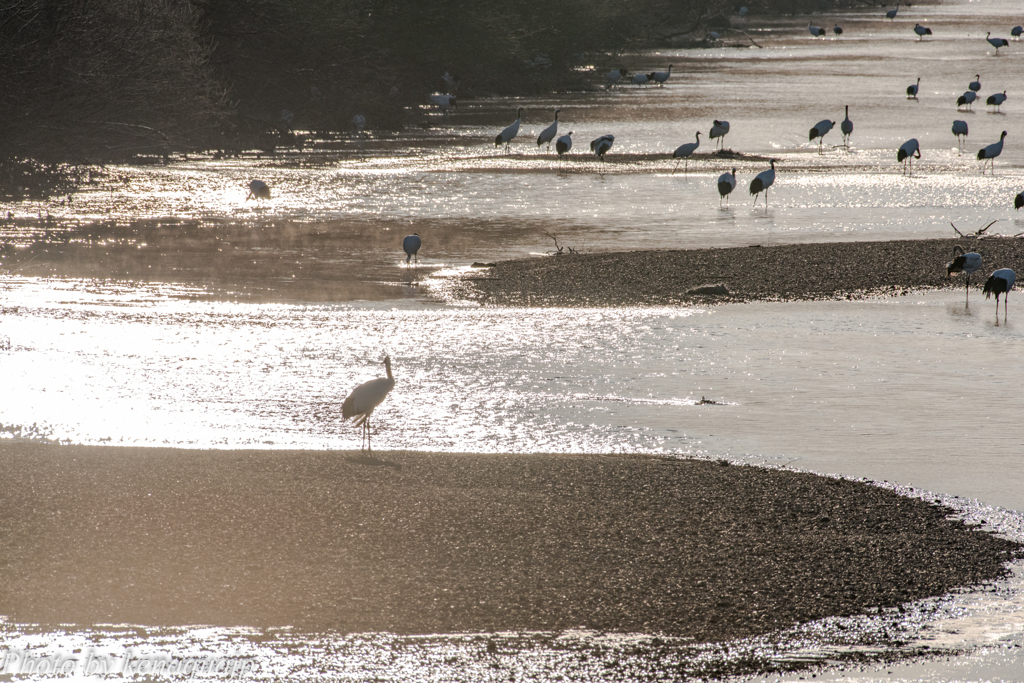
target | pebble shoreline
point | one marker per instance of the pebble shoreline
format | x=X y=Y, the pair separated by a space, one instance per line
x=755 y=273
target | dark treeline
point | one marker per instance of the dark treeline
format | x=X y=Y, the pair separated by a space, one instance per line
x=91 y=81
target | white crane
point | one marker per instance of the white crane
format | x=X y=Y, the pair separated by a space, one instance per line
x=908 y=151
x=966 y=263
x=661 y=76
x=564 y=143
x=996 y=42
x=258 y=190
x=411 y=244
x=761 y=182
x=615 y=75
x=549 y=133
x=1018 y=201
x=815 y=31
x=967 y=99
x=719 y=129
x=820 y=129
x=960 y=131
x=975 y=85
x=989 y=154
x=1000 y=282
x=641 y=79
x=891 y=14
x=847 y=128
x=506 y=136
x=726 y=184
x=922 y=31
x=601 y=145
x=364 y=398
x=912 y=90
x=684 y=151
x=996 y=100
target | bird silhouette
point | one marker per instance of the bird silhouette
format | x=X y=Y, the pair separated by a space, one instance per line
x=912 y=90
x=975 y=85
x=364 y=398
x=967 y=99
x=615 y=75
x=820 y=129
x=719 y=129
x=258 y=190
x=960 y=131
x=601 y=145
x=922 y=31
x=966 y=263
x=996 y=100
x=996 y=42
x=411 y=244
x=1018 y=201
x=891 y=14
x=564 y=143
x=989 y=154
x=847 y=128
x=838 y=30
x=907 y=152
x=1000 y=282
x=726 y=184
x=661 y=76
x=815 y=31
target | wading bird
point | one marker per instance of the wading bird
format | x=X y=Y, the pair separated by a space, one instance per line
x=960 y=131
x=564 y=143
x=967 y=99
x=443 y=101
x=506 y=136
x=966 y=263
x=1018 y=201
x=411 y=244
x=838 y=30
x=719 y=129
x=761 y=182
x=1000 y=282
x=996 y=42
x=912 y=90
x=601 y=145
x=615 y=75
x=922 y=31
x=549 y=133
x=975 y=85
x=642 y=79
x=258 y=190
x=726 y=184
x=364 y=398
x=820 y=129
x=989 y=154
x=684 y=151
x=847 y=128
x=891 y=14
x=1016 y=31
x=996 y=100
x=815 y=31
x=661 y=76
x=907 y=152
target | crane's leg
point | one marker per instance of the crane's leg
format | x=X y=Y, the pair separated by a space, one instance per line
x=369 y=448
x=968 y=289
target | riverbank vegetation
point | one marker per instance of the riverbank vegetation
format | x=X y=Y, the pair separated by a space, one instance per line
x=88 y=82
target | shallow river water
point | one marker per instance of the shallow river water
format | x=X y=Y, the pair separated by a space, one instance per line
x=161 y=308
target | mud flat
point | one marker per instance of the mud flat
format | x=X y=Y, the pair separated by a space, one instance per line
x=413 y=543
x=755 y=273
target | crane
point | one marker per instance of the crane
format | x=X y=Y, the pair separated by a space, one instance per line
x=506 y=136
x=411 y=244
x=996 y=100
x=601 y=145
x=838 y=30
x=364 y=398
x=548 y=134
x=761 y=182
x=922 y=31
x=1018 y=201
x=891 y=14
x=726 y=184
x=684 y=151
x=815 y=31
x=615 y=75
x=967 y=99
x=996 y=42
x=907 y=152
x=564 y=143
x=960 y=131
x=966 y=263
x=1000 y=282
x=820 y=129
x=258 y=190
x=661 y=76
x=975 y=84
x=719 y=129
x=847 y=128
x=988 y=154
x=912 y=90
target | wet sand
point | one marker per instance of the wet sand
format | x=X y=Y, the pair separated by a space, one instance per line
x=439 y=543
x=755 y=273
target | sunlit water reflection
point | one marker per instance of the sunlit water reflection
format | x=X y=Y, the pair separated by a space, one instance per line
x=161 y=308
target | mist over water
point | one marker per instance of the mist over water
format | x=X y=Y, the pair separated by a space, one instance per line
x=162 y=309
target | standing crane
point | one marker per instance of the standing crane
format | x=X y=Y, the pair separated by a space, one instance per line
x=1000 y=282
x=761 y=182
x=661 y=76
x=891 y=14
x=996 y=100
x=847 y=128
x=364 y=398
x=726 y=184
x=964 y=263
x=922 y=31
x=960 y=131
x=684 y=151
x=967 y=99
x=988 y=154
x=820 y=129
x=601 y=145
x=549 y=133
x=907 y=152
x=411 y=245
x=719 y=129
x=815 y=31
x=912 y=90
x=975 y=85
x=996 y=42
x=506 y=136
x=564 y=143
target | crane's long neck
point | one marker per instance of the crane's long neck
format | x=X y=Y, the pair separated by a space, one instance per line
x=387 y=366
